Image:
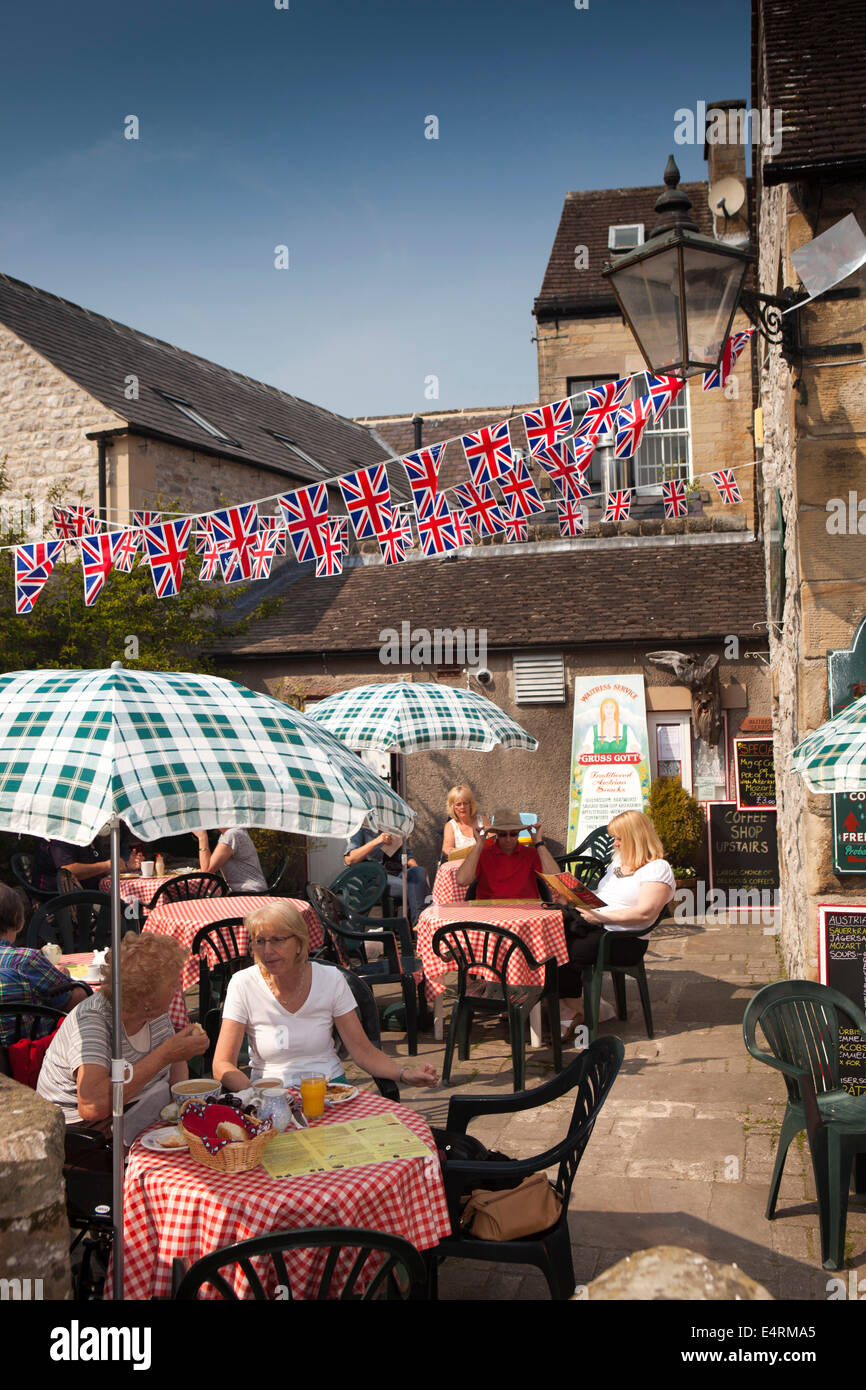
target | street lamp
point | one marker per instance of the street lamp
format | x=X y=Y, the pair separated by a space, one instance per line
x=678 y=292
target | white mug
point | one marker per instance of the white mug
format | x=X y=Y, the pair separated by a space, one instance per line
x=147 y=867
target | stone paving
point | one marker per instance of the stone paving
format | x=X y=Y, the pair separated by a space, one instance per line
x=683 y=1148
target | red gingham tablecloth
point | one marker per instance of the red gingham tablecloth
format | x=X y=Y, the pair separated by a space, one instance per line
x=135 y=890
x=182 y=921
x=177 y=1011
x=539 y=926
x=446 y=889
x=174 y=1206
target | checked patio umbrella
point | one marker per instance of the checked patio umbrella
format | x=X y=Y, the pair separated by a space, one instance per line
x=833 y=758
x=169 y=752
x=413 y=716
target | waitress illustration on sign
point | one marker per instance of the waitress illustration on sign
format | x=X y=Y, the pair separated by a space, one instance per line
x=609 y=735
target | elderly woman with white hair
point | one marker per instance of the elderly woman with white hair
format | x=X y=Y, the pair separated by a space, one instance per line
x=288 y=1005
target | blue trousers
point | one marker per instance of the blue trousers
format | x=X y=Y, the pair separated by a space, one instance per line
x=417 y=888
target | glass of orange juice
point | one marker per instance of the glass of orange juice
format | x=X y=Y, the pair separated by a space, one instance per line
x=313 y=1085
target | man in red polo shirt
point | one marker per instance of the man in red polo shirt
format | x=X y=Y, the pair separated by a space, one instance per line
x=504 y=868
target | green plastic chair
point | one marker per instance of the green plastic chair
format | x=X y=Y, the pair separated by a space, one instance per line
x=800 y=1020
x=361 y=885
x=593 y=976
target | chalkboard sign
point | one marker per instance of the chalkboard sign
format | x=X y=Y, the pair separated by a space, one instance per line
x=754 y=774
x=744 y=851
x=843 y=967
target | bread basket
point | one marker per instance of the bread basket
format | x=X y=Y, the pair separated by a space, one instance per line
x=231 y=1157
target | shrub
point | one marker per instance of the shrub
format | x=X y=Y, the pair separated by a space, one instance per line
x=679 y=821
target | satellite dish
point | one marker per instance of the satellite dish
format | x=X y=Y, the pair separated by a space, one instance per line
x=728 y=191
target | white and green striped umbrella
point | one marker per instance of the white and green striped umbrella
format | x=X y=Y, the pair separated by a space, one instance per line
x=410 y=716
x=833 y=758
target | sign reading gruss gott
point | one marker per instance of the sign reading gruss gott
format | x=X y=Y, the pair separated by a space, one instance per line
x=744 y=850
x=842 y=944
x=609 y=752
x=754 y=774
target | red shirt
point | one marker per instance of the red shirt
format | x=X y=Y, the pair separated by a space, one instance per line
x=502 y=875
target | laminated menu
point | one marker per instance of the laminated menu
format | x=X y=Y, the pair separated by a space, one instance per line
x=351 y=1144
x=577 y=895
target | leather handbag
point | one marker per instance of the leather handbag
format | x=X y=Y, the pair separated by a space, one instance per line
x=521 y=1211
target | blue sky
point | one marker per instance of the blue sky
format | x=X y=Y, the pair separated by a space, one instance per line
x=304 y=127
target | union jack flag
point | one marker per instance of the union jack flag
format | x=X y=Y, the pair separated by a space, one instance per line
x=558 y=462
x=479 y=505
x=422 y=470
x=436 y=529
x=127 y=544
x=583 y=452
x=519 y=491
x=570 y=514
x=516 y=529
x=674 y=494
x=263 y=550
x=33 y=564
x=547 y=425
x=274 y=525
x=462 y=529
x=72 y=522
x=730 y=352
x=343 y=523
x=405 y=521
x=392 y=540
x=234 y=526
x=236 y=561
x=727 y=486
x=166 y=552
x=210 y=565
x=488 y=452
x=604 y=402
x=330 y=562
x=306 y=514
x=618 y=506
x=366 y=493
x=662 y=391
x=202 y=535
x=97 y=552
x=631 y=422
x=141 y=520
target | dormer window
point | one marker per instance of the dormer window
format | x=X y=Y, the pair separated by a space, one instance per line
x=198 y=419
x=299 y=453
x=625 y=237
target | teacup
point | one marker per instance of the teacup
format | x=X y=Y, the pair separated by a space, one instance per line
x=147 y=868
x=198 y=1088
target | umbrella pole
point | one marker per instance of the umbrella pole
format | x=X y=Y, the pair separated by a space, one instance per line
x=117 y=1067
x=405 y=861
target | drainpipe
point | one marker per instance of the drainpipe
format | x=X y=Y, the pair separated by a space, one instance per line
x=100 y=464
x=418 y=424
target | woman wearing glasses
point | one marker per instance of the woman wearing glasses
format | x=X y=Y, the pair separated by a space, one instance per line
x=502 y=867
x=287 y=1006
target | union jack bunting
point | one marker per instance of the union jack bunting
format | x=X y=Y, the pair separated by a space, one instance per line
x=674 y=494
x=306 y=514
x=583 y=450
x=516 y=529
x=558 y=462
x=570 y=514
x=405 y=521
x=392 y=539
x=663 y=391
x=727 y=486
x=422 y=470
x=547 y=425
x=274 y=525
x=126 y=545
x=436 y=529
x=72 y=522
x=202 y=535
x=604 y=402
x=343 y=523
x=142 y=519
x=488 y=452
x=33 y=564
x=631 y=422
x=480 y=507
x=730 y=352
x=210 y=561
x=365 y=494
x=618 y=506
x=234 y=526
x=330 y=562
x=519 y=491
x=166 y=552
x=97 y=553
x=236 y=561
x=462 y=529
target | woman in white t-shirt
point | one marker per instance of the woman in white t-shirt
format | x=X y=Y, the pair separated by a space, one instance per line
x=636 y=888
x=288 y=1005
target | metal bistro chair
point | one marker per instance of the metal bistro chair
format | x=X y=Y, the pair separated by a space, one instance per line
x=219 y=957
x=186 y=886
x=470 y=946
x=361 y=885
x=76 y=921
x=385 y=1266
x=800 y=1021
x=592 y=1074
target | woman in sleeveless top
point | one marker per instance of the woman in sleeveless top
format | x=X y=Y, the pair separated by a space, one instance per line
x=464 y=819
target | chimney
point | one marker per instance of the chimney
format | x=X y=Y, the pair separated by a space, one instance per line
x=727 y=129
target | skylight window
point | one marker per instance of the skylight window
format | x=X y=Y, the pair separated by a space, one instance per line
x=295 y=449
x=625 y=236
x=198 y=419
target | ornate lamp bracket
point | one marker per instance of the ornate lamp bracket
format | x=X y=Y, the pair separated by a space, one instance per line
x=767 y=313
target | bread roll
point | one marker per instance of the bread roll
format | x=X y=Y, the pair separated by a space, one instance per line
x=236 y=1133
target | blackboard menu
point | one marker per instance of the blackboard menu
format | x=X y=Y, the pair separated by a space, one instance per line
x=754 y=774
x=843 y=967
x=744 y=851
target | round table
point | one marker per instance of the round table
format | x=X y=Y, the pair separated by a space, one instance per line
x=182 y=920
x=134 y=888
x=174 y=1206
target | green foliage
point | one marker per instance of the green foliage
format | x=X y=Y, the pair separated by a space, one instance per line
x=679 y=821
x=272 y=847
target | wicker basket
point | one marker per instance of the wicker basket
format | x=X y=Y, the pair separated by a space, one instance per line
x=233 y=1157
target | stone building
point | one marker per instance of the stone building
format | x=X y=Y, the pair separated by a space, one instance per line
x=809 y=63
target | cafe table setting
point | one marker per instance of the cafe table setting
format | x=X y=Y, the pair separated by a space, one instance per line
x=140 y=888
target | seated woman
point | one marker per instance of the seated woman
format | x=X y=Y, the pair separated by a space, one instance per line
x=288 y=1005
x=235 y=857
x=503 y=867
x=637 y=886
x=464 y=820
x=83 y=862
x=76 y=1072
x=26 y=976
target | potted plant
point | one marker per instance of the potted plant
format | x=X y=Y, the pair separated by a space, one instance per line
x=680 y=825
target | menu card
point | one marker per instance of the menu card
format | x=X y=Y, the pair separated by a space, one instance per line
x=328 y=1148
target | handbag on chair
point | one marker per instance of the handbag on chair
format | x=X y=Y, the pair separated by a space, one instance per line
x=524 y=1210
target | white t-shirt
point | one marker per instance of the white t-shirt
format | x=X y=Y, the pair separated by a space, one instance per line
x=243 y=872
x=284 y=1044
x=624 y=892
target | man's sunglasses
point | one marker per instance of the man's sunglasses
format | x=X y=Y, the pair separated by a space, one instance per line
x=507 y=834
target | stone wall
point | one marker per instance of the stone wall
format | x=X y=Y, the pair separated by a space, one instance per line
x=149 y=473
x=34 y=1234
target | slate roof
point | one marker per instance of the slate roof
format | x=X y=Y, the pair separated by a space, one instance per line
x=586 y=218
x=583 y=596
x=809 y=61
x=398 y=432
x=98 y=353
